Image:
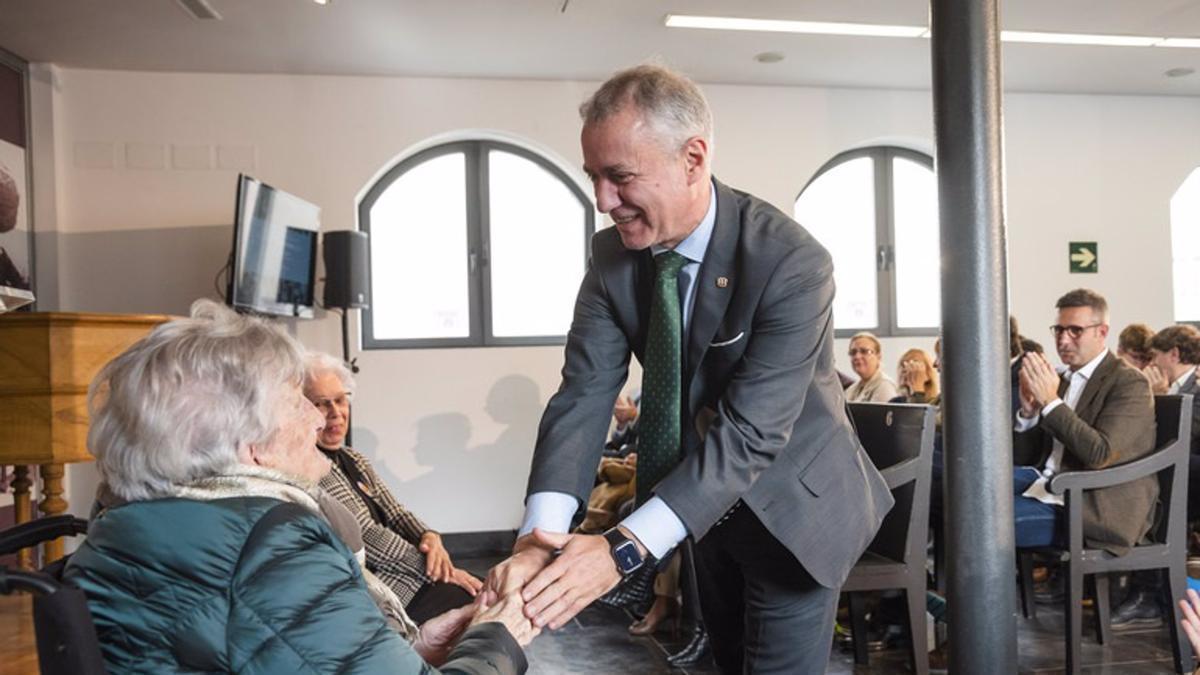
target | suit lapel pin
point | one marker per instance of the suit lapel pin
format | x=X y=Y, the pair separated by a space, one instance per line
x=722 y=282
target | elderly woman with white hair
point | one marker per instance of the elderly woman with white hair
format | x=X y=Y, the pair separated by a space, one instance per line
x=211 y=552
x=401 y=549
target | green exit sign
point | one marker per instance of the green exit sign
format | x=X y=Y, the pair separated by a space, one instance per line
x=1084 y=257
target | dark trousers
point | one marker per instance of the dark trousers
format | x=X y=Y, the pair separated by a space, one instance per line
x=434 y=598
x=763 y=611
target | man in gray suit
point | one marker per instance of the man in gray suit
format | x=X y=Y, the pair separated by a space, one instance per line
x=766 y=475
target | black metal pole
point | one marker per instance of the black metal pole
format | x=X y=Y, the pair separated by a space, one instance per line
x=978 y=419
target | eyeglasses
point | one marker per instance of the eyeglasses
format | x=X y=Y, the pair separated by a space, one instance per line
x=326 y=405
x=1075 y=332
x=865 y=351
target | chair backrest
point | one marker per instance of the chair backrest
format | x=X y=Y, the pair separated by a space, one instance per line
x=898 y=438
x=1173 y=420
x=66 y=635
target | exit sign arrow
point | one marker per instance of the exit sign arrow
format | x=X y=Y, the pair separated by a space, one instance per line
x=1083 y=257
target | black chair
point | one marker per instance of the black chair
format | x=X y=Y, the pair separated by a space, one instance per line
x=899 y=440
x=1167 y=546
x=62 y=624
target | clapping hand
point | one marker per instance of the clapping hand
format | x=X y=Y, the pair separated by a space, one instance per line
x=1191 y=619
x=1039 y=383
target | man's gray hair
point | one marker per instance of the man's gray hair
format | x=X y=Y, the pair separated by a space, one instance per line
x=667 y=100
x=177 y=405
x=318 y=363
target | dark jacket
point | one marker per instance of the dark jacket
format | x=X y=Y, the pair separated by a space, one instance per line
x=247 y=585
x=1113 y=423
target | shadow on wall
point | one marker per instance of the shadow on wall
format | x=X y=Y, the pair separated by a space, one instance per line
x=490 y=475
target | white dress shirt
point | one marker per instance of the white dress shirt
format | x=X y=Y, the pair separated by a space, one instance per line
x=1078 y=381
x=654 y=523
x=1178 y=384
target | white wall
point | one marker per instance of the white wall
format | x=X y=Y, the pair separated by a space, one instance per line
x=1079 y=167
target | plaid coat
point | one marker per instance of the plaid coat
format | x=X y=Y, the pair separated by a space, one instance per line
x=392 y=552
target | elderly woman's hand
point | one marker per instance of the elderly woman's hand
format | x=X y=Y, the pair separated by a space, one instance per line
x=509 y=610
x=438 y=635
x=1191 y=619
x=437 y=561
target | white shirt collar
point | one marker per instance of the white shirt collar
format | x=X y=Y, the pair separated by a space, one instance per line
x=1178 y=384
x=1090 y=367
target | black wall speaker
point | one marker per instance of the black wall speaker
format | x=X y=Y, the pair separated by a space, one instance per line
x=346 y=269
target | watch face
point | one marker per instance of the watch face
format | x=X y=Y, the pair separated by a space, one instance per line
x=627 y=557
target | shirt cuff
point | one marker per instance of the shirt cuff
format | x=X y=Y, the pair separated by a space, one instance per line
x=656 y=526
x=1025 y=423
x=1051 y=406
x=549 y=511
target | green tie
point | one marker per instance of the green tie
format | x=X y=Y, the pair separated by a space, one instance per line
x=662 y=379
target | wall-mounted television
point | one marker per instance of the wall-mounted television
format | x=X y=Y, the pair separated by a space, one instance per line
x=274 y=251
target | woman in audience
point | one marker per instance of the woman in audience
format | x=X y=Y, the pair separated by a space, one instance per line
x=205 y=558
x=1133 y=345
x=401 y=550
x=918 y=378
x=873 y=385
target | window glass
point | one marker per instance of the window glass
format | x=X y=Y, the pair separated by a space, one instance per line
x=838 y=208
x=1185 y=248
x=419 y=280
x=535 y=238
x=917 y=247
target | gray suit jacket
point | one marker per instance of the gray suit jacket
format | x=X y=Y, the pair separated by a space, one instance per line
x=1113 y=423
x=1192 y=386
x=765 y=418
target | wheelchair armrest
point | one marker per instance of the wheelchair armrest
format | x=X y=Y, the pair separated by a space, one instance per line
x=37 y=531
x=22 y=580
x=1124 y=473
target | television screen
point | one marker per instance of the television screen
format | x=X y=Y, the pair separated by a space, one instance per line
x=274 y=251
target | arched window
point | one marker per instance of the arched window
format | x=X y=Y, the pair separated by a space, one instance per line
x=1185 y=248
x=474 y=243
x=875 y=209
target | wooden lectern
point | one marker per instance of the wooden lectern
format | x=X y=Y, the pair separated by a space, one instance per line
x=47 y=361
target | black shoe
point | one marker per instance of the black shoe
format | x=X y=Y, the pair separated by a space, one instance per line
x=1140 y=610
x=696 y=651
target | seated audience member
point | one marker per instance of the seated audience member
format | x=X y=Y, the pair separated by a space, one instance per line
x=1133 y=345
x=918 y=379
x=205 y=556
x=873 y=384
x=401 y=550
x=1174 y=352
x=624 y=436
x=1098 y=414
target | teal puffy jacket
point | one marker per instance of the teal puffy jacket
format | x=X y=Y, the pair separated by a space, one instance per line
x=246 y=585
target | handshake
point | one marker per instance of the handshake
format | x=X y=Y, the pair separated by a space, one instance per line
x=553 y=577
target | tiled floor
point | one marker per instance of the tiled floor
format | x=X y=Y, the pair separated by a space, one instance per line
x=597 y=643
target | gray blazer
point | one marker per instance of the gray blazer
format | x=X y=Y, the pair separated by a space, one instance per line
x=1192 y=386
x=765 y=418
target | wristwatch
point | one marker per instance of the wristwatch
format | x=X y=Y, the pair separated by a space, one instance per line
x=624 y=552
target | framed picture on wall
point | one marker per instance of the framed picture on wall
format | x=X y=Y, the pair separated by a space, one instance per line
x=16 y=226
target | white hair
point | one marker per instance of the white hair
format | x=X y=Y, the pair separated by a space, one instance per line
x=318 y=363
x=667 y=100
x=179 y=403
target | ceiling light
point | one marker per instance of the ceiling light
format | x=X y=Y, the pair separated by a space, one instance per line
x=322 y=2
x=1078 y=39
x=780 y=26
x=886 y=30
x=1179 y=42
